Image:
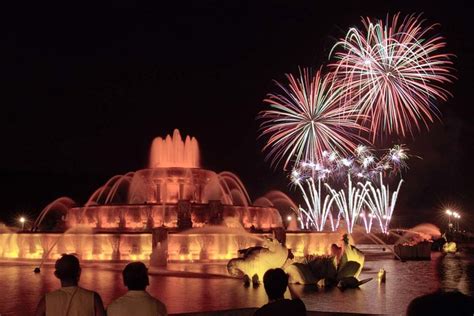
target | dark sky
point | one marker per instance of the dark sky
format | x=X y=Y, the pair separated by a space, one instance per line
x=85 y=90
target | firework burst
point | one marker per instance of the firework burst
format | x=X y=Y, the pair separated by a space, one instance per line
x=394 y=71
x=308 y=118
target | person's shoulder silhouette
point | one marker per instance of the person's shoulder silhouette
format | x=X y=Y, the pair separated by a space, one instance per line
x=275 y=282
x=137 y=301
x=442 y=303
x=70 y=299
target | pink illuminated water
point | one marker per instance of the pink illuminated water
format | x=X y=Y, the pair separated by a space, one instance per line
x=147 y=198
x=172 y=151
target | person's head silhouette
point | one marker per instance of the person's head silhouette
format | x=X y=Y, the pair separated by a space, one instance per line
x=275 y=282
x=68 y=270
x=441 y=303
x=135 y=276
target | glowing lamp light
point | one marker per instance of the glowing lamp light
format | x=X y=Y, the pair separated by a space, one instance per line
x=22 y=221
x=289 y=218
x=449 y=212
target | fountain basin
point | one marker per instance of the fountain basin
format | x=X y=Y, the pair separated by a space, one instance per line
x=131 y=246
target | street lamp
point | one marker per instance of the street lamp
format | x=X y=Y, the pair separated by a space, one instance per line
x=450 y=213
x=22 y=221
x=457 y=217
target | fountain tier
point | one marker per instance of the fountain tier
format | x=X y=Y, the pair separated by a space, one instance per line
x=174 y=192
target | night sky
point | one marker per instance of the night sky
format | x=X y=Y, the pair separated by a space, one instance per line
x=85 y=90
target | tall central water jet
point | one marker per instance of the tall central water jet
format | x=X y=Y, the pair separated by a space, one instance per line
x=172 y=151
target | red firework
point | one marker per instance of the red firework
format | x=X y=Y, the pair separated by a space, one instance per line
x=394 y=72
x=308 y=118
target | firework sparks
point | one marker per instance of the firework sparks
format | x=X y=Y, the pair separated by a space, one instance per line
x=394 y=71
x=367 y=219
x=363 y=164
x=308 y=119
x=350 y=203
x=353 y=201
x=381 y=204
x=317 y=208
x=395 y=159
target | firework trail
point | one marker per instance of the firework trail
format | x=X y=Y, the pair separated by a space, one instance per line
x=350 y=203
x=367 y=219
x=381 y=204
x=317 y=208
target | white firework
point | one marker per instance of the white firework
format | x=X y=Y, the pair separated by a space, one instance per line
x=318 y=206
x=350 y=203
x=381 y=203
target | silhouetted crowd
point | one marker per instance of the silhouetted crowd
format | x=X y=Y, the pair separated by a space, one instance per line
x=73 y=300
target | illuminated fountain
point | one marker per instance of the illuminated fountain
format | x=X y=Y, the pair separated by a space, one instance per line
x=174 y=192
x=174 y=210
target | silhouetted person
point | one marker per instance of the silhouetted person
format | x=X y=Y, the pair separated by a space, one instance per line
x=275 y=282
x=70 y=299
x=442 y=303
x=136 y=301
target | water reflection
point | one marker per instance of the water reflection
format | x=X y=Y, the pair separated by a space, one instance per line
x=194 y=287
x=455 y=272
